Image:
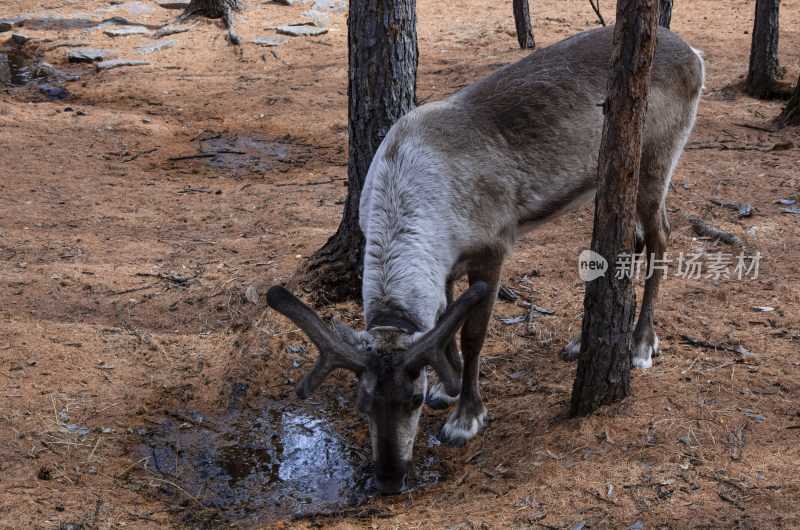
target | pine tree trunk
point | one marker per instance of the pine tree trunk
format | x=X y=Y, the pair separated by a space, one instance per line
x=764 y=70
x=603 y=375
x=665 y=13
x=791 y=113
x=382 y=43
x=224 y=9
x=522 y=19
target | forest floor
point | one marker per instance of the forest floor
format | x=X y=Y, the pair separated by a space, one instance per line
x=145 y=383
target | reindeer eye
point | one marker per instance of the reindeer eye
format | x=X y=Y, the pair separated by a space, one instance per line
x=416 y=401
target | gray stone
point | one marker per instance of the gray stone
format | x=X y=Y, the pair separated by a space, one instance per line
x=53 y=93
x=6 y=24
x=19 y=38
x=157 y=46
x=89 y=55
x=319 y=18
x=127 y=30
x=108 y=23
x=290 y=2
x=331 y=5
x=134 y=8
x=269 y=41
x=108 y=65
x=173 y=4
x=301 y=31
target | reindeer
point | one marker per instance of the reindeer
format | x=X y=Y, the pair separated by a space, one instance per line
x=451 y=188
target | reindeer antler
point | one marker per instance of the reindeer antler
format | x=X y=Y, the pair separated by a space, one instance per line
x=333 y=353
x=429 y=350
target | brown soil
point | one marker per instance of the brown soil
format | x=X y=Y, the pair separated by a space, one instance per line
x=123 y=295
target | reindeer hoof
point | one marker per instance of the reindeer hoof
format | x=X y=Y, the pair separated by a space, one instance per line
x=458 y=430
x=438 y=399
x=643 y=353
x=451 y=442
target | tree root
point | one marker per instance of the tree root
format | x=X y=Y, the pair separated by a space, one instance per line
x=222 y=9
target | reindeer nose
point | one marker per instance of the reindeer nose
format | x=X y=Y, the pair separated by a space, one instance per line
x=389 y=486
x=392 y=479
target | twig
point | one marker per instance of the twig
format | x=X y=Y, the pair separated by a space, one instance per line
x=175 y=279
x=756 y=127
x=600 y=497
x=597 y=11
x=732 y=501
x=143 y=517
x=134 y=157
x=703 y=344
x=126 y=291
x=207 y=155
x=188 y=157
x=704 y=229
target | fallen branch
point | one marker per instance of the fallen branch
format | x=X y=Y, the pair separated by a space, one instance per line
x=126 y=291
x=756 y=127
x=686 y=339
x=704 y=229
x=134 y=157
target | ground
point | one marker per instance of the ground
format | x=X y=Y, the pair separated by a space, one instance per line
x=147 y=384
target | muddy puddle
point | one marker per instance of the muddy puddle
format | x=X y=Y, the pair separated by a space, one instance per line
x=243 y=154
x=21 y=68
x=261 y=466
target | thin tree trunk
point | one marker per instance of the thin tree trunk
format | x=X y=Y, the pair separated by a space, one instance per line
x=665 y=13
x=764 y=70
x=522 y=19
x=603 y=375
x=382 y=43
x=791 y=113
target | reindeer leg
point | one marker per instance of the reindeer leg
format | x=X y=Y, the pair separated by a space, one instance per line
x=470 y=414
x=437 y=398
x=645 y=341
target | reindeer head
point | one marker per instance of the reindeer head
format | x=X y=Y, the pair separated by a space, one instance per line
x=389 y=364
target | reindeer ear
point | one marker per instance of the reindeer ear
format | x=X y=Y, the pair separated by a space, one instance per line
x=344 y=332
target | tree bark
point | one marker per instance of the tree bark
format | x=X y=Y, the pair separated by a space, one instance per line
x=665 y=13
x=764 y=70
x=522 y=19
x=603 y=375
x=224 y=9
x=382 y=43
x=791 y=112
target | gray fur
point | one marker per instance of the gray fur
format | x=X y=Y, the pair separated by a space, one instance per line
x=451 y=188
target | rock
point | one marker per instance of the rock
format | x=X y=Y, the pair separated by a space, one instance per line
x=89 y=55
x=290 y=2
x=134 y=8
x=108 y=65
x=6 y=24
x=127 y=30
x=53 y=93
x=332 y=5
x=173 y=4
x=319 y=18
x=19 y=38
x=157 y=46
x=301 y=31
x=108 y=23
x=269 y=41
